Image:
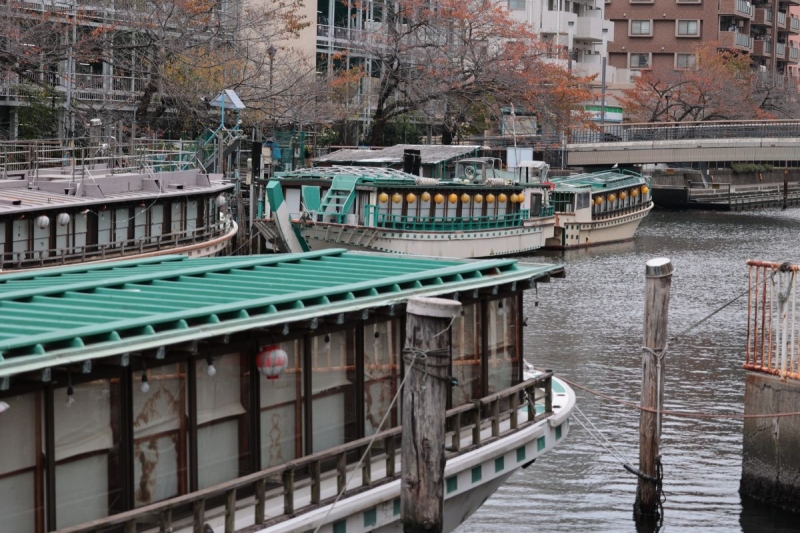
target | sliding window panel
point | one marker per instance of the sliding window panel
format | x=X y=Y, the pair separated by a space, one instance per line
x=282 y=409
x=221 y=419
x=86 y=452
x=333 y=389
x=382 y=374
x=159 y=429
x=466 y=348
x=502 y=337
x=18 y=464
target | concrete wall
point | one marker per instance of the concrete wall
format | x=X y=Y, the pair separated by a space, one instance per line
x=771 y=454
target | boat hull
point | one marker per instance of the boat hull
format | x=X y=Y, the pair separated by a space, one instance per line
x=461 y=244
x=572 y=234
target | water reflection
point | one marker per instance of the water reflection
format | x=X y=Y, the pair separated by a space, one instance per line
x=588 y=327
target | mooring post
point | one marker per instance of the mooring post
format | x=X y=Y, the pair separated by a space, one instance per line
x=785 y=187
x=427 y=359
x=658 y=274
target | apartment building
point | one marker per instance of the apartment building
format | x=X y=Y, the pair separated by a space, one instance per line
x=665 y=33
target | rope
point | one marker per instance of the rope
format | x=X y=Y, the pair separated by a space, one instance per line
x=681 y=414
x=414 y=356
x=366 y=452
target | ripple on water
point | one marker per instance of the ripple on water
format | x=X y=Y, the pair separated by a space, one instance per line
x=588 y=328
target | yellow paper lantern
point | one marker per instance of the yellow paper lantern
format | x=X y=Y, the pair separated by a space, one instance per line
x=513 y=198
x=383 y=197
x=397 y=198
x=645 y=189
x=502 y=198
x=490 y=198
x=438 y=198
x=598 y=200
x=453 y=198
x=411 y=198
x=611 y=197
x=426 y=196
x=634 y=192
x=465 y=198
x=478 y=198
x=623 y=195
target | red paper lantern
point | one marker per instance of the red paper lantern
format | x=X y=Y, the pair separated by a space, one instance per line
x=271 y=361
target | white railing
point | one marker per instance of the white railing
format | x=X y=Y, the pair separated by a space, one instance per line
x=773 y=320
x=743 y=6
x=743 y=39
x=768 y=15
x=781 y=18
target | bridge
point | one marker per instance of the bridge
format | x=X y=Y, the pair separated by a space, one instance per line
x=774 y=141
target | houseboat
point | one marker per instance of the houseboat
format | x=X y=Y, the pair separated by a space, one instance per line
x=596 y=208
x=62 y=205
x=479 y=211
x=238 y=393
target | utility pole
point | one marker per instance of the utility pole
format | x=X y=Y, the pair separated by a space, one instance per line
x=658 y=274
x=427 y=353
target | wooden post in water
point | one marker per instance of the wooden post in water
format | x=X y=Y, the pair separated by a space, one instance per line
x=424 y=406
x=785 y=187
x=658 y=274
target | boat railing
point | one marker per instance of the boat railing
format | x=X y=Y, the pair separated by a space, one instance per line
x=463 y=223
x=620 y=211
x=547 y=211
x=297 y=484
x=21 y=260
x=773 y=320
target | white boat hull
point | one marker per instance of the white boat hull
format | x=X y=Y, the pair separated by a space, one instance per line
x=570 y=233
x=461 y=244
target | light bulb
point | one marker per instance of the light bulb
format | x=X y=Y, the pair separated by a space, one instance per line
x=212 y=370
x=145 y=386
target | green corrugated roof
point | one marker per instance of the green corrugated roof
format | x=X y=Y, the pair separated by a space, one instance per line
x=72 y=314
x=598 y=181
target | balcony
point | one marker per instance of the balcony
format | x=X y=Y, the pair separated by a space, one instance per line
x=794 y=53
x=552 y=23
x=762 y=17
x=762 y=48
x=781 y=19
x=780 y=50
x=739 y=8
x=734 y=40
x=590 y=28
x=794 y=25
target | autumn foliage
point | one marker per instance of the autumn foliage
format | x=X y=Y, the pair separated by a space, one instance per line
x=723 y=86
x=457 y=62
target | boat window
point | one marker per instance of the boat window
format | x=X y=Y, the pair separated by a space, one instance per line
x=18 y=463
x=502 y=342
x=382 y=374
x=159 y=431
x=221 y=419
x=582 y=200
x=333 y=389
x=86 y=452
x=536 y=204
x=467 y=347
x=282 y=428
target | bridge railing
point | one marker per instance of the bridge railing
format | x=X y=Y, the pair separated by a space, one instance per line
x=664 y=131
x=773 y=320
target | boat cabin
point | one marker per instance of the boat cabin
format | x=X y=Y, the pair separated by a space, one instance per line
x=141 y=392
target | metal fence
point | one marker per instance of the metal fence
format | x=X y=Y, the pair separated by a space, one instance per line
x=665 y=131
x=773 y=320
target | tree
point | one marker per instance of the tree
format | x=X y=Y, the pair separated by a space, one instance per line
x=452 y=60
x=721 y=87
x=159 y=57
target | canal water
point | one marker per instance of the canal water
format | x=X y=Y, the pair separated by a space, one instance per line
x=588 y=328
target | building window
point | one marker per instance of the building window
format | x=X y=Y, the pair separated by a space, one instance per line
x=687 y=61
x=689 y=1
x=516 y=5
x=688 y=28
x=640 y=61
x=641 y=28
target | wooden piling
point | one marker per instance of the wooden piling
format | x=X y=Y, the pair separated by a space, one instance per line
x=658 y=274
x=427 y=347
